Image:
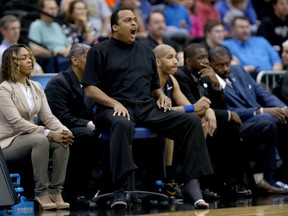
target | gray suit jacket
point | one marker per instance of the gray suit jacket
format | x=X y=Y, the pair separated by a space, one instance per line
x=16 y=117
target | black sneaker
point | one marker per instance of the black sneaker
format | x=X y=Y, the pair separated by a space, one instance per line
x=119 y=201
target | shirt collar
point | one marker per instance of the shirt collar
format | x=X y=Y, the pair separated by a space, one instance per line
x=221 y=81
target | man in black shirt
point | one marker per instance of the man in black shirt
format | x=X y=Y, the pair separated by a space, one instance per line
x=121 y=76
x=274 y=27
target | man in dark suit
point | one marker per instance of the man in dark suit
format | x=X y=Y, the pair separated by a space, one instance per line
x=198 y=79
x=68 y=102
x=263 y=115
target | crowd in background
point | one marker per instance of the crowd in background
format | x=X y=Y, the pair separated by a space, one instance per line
x=184 y=21
x=254 y=33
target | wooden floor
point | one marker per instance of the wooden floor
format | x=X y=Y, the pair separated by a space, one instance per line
x=279 y=210
x=259 y=206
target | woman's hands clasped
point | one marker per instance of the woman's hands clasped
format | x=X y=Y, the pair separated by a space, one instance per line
x=62 y=137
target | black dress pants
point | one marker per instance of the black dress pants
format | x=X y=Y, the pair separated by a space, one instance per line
x=184 y=128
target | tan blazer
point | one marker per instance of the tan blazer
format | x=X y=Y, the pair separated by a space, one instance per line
x=16 y=117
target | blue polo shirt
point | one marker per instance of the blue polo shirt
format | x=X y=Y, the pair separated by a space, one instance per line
x=255 y=51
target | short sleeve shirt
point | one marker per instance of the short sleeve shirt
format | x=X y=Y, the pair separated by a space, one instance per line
x=124 y=72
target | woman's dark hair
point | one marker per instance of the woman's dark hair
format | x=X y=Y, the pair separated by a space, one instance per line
x=10 y=69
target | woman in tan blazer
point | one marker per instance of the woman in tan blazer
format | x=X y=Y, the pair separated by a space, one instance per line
x=23 y=105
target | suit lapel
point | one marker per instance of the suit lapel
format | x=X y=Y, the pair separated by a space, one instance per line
x=241 y=90
x=22 y=98
x=73 y=81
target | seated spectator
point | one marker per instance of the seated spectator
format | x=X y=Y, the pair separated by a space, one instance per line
x=23 y=105
x=275 y=27
x=99 y=15
x=197 y=79
x=261 y=112
x=48 y=39
x=197 y=30
x=76 y=27
x=206 y=10
x=10 y=28
x=214 y=34
x=68 y=103
x=177 y=20
x=156 y=28
x=254 y=53
x=284 y=55
x=135 y=98
x=230 y=9
x=281 y=88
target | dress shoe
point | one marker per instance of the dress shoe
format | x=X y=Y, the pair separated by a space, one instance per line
x=58 y=200
x=264 y=186
x=210 y=195
x=239 y=191
x=45 y=202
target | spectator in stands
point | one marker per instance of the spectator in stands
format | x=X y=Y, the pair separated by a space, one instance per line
x=68 y=103
x=254 y=53
x=207 y=11
x=177 y=20
x=281 y=90
x=76 y=27
x=99 y=15
x=261 y=112
x=198 y=79
x=285 y=54
x=229 y=9
x=197 y=30
x=275 y=27
x=214 y=34
x=126 y=100
x=23 y=105
x=10 y=28
x=48 y=39
x=156 y=28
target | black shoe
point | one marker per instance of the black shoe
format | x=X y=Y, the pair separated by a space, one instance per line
x=119 y=201
x=210 y=195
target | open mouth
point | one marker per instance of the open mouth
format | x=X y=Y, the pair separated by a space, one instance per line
x=133 y=32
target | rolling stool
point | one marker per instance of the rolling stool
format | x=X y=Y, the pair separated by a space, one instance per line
x=132 y=193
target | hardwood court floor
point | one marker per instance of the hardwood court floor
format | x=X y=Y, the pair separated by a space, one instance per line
x=258 y=206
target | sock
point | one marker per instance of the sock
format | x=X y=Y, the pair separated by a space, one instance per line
x=192 y=190
x=258 y=177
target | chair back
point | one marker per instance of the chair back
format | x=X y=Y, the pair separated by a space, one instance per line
x=43 y=79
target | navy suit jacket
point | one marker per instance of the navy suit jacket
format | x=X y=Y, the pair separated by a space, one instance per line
x=195 y=89
x=67 y=100
x=246 y=95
